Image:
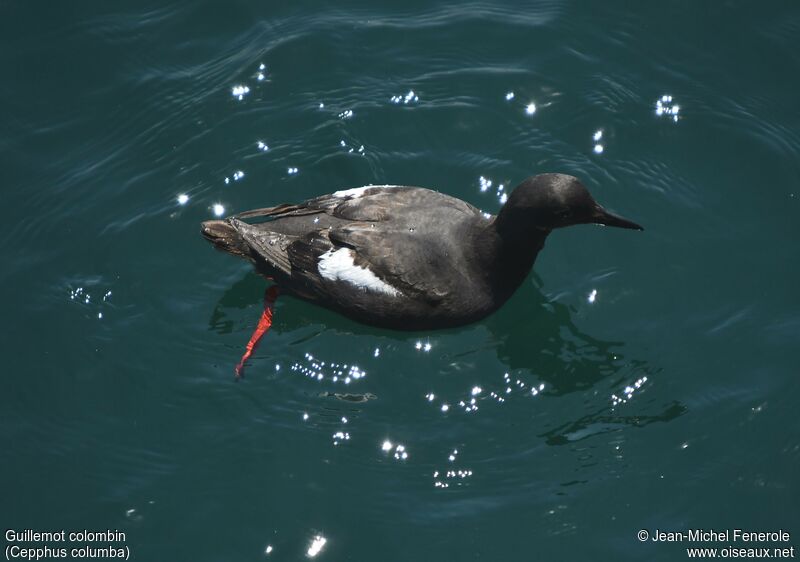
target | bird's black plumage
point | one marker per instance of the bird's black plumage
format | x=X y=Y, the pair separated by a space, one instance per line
x=407 y=257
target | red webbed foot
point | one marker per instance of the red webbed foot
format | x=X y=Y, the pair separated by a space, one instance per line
x=264 y=323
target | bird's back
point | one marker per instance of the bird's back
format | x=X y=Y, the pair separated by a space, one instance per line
x=394 y=256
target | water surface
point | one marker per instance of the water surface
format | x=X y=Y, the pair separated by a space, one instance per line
x=635 y=381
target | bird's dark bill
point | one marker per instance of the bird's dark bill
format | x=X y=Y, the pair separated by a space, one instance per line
x=601 y=216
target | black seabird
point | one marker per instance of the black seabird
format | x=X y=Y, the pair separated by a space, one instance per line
x=402 y=257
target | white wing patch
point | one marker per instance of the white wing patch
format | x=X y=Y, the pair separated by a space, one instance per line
x=338 y=265
x=357 y=191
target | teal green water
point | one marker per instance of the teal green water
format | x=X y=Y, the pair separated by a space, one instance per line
x=668 y=399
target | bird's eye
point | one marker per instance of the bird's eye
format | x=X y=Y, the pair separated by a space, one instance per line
x=564 y=213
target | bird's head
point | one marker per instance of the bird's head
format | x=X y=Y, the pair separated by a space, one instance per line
x=550 y=201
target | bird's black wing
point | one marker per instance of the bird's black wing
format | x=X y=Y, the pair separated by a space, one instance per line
x=408 y=237
x=388 y=228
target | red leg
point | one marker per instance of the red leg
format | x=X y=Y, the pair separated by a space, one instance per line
x=264 y=324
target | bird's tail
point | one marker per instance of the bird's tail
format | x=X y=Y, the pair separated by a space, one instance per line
x=225 y=237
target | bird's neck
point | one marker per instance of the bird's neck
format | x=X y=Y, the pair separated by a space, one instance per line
x=510 y=249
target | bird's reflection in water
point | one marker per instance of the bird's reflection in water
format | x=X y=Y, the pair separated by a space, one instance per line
x=532 y=333
x=245 y=292
x=555 y=350
x=536 y=333
x=604 y=421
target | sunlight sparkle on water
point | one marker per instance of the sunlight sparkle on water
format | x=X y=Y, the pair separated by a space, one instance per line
x=316 y=546
x=340 y=436
x=183 y=199
x=322 y=370
x=597 y=137
x=292 y=171
x=472 y=396
x=262 y=146
x=400 y=452
x=665 y=108
x=346 y=114
x=530 y=109
x=628 y=392
x=351 y=150
x=218 y=209
x=268 y=550
x=485 y=184
x=240 y=91
x=509 y=96
x=82 y=296
x=535 y=390
x=592 y=296
x=411 y=96
x=451 y=474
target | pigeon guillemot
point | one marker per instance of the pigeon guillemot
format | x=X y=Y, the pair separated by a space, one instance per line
x=403 y=257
